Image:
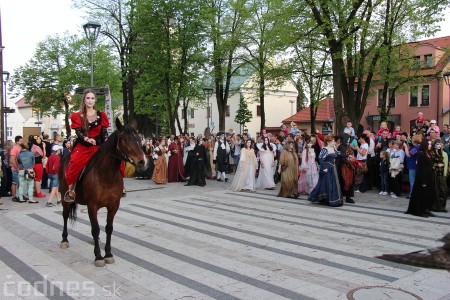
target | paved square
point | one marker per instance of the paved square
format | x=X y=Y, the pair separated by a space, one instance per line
x=177 y=242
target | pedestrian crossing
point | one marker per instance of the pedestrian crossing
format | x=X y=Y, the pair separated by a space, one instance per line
x=220 y=245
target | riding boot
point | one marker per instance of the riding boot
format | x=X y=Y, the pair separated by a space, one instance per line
x=69 y=196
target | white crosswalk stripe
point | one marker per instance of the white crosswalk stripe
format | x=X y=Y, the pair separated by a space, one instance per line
x=221 y=245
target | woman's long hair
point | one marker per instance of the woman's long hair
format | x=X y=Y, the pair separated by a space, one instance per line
x=268 y=146
x=306 y=148
x=424 y=147
x=83 y=111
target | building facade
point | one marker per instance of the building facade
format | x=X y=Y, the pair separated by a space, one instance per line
x=279 y=102
x=430 y=96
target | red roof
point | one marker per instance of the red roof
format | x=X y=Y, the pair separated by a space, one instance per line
x=21 y=103
x=325 y=112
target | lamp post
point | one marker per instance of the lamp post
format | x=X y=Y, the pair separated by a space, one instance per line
x=156 y=107
x=291 y=101
x=92 y=30
x=5 y=78
x=207 y=91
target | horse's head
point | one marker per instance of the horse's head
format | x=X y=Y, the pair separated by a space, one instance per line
x=129 y=145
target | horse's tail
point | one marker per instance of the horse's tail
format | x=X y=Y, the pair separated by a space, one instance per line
x=73 y=212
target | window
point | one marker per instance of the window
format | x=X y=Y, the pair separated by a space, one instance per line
x=391 y=98
x=416 y=62
x=9 y=132
x=227 y=111
x=192 y=113
x=380 y=97
x=428 y=61
x=425 y=99
x=258 y=110
x=413 y=96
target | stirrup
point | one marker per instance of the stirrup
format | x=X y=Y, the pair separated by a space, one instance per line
x=68 y=198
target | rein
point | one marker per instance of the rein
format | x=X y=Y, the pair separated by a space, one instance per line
x=121 y=155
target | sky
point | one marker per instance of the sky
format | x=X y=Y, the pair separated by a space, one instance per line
x=24 y=23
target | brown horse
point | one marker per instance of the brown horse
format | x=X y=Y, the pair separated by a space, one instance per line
x=101 y=185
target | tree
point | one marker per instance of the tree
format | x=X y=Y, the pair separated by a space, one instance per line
x=266 y=19
x=226 y=21
x=169 y=57
x=311 y=65
x=58 y=66
x=243 y=114
x=354 y=33
x=117 y=18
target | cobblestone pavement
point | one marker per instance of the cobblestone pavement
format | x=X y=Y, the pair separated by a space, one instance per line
x=177 y=242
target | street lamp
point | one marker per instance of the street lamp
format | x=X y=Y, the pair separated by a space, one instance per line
x=156 y=107
x=5 y=78
x=92 y=30
x=208 y=91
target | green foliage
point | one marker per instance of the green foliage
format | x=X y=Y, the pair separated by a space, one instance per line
x=243 y=114
x=58 y=66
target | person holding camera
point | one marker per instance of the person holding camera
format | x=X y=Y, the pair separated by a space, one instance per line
x=26 y=160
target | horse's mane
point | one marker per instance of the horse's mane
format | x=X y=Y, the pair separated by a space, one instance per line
x=109 y=146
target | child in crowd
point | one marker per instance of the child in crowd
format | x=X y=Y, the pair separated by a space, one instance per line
x=52 y=171
x=420 y=117
x=384 y=173
x=433 y=125
x=396 y=131
x=383 y=126
x=350 y=131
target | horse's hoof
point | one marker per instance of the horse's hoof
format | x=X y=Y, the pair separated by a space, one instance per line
x=109 y=260
x=64 y=245
x=100 y=263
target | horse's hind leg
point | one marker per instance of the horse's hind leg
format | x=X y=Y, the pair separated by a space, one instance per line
x=65 y=242
x=109 y=258
x=95 y=230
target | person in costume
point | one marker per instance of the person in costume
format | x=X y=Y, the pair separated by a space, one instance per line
x=244 y=179
x=189 y=156
x=90 y=127
x=288 y=168
x=159 y=157
x=175 y=166
x=309 y=174
x=221 y=151
x=328 y=190
x=440 y=168
x=267 y=163
x=423 y=195
x=198 y=169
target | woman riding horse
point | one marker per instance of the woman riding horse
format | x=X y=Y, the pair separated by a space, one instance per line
x=90 y=127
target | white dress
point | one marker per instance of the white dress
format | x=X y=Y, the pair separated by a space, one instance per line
x=265 y=177
x=244 y=179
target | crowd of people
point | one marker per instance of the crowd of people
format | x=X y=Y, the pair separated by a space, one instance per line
x=29 y=167
x=329 y=169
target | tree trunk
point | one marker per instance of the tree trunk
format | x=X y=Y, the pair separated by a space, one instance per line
x=337 y=92
x=262 y=89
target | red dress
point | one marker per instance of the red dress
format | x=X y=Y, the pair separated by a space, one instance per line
x=83 y=151
x=176 y=168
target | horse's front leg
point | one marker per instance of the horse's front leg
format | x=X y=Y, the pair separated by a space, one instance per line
x=65 y=242
x=109 y=258
x=95 y=230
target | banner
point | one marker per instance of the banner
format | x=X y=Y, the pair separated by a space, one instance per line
x=108 y=109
